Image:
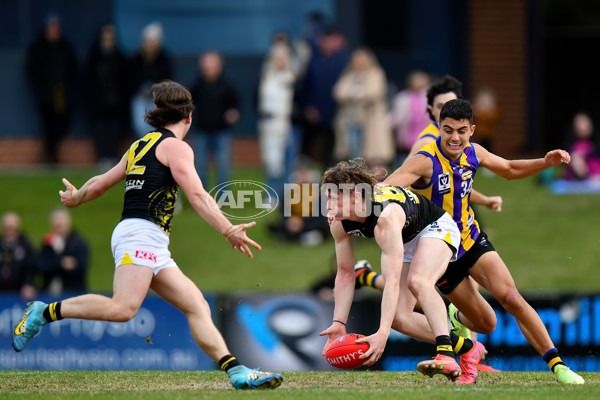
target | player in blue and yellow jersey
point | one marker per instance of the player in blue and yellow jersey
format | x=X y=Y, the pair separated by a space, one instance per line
x=153 y=169
x=417 y=240
x=450 y=177
x=444 y=171
x=445 y=89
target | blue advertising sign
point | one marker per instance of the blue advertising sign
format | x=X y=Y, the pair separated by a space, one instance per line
x=157 y=338
x=279 y=332
x=282 y=332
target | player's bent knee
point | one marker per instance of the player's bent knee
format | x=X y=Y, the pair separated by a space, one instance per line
x=198 y=306
x=204 y=309
x=487 y=325
x=405 y=321
x=483 y=319
x=512 y=301
x=401 y=324
x=417 y=286
x=123 y=313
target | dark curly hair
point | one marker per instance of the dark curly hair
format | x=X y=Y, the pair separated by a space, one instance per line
x=446 y=84
x=173 y=103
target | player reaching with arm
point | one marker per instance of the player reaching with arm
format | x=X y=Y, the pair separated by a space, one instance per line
x=445 y=89
x=444 y=171
x=153 y=168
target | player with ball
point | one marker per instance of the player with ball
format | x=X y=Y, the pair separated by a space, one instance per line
x=417 y=240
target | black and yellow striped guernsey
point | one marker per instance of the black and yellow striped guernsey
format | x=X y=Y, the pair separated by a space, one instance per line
x=150 y=190
x=419 y=211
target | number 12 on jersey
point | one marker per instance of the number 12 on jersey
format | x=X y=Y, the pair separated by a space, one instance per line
x=133 y=157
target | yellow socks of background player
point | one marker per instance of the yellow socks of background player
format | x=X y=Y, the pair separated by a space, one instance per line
x=368 y=278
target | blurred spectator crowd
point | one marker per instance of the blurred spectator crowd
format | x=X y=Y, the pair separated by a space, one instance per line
x=58 y=265
x=315 y=97
x=317 y=101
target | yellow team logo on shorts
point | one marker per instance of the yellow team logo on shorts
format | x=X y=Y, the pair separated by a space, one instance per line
x=448 y=239
x=126 y=260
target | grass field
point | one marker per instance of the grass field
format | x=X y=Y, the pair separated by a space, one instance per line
x=149 y=385
x=550 y=243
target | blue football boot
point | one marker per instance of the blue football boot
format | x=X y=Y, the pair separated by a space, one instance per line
x=30 y=325
x=245 y=378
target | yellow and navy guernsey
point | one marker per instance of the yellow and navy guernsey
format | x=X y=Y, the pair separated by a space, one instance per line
x=419 y=211
x=432 y=130
x=150 y=190
x=450 y=189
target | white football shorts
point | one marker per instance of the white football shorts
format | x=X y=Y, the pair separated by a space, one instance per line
x=141 y=242
x=444 y=228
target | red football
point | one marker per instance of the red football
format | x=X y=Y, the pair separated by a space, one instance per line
x=344 y=351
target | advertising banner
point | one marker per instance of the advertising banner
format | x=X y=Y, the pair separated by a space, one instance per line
x=282 y=332
x=157 y=338
x=573 y=322
x=277 y=332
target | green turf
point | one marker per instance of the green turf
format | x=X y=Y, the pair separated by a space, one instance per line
x=297 y=385
x=548 y=242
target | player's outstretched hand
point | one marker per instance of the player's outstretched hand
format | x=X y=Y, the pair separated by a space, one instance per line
x=68 y=195
x=557 y=157
x=376 y=343
x=334 y=331
x=236 y=235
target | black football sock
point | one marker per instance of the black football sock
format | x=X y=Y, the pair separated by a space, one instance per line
x=228 y=362
x=52 y=312
x=444 y=345
x=553 y=359
x=460 y=344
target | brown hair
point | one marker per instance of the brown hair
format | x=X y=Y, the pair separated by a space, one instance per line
x=352 y=172
x=173 y=103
